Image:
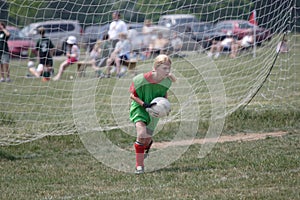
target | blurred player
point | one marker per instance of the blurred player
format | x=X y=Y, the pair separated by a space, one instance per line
x=44 y=48
x=4 y=53
x=73 y=56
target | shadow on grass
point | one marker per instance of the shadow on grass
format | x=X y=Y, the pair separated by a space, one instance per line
x=7 y=156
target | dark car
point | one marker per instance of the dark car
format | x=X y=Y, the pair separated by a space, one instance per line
x=93 y=33
x=240 y=28
x=204 y=33
x=18 y=44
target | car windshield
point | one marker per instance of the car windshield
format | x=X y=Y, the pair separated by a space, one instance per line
x=202 y=27
x=16 y=35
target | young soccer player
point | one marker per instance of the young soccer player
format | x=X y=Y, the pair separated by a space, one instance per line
x=44 y=48
x=144 y=88
x=72 y=54
x=4 y=53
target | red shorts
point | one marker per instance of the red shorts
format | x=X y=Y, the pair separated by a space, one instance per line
x=71 y=60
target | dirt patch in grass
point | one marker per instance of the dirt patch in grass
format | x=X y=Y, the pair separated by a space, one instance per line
x=221 y=139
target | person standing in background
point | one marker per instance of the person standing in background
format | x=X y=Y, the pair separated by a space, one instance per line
x=116 y=27
x=44 y=48
x=4 y=53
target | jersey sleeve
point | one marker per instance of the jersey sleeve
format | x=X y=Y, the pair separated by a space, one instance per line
x=132 y=90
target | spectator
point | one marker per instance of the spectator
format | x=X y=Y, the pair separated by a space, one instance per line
x=4 y=53
x=246 y=42
x=116 y=27
x=147 y=37
x=147 y=28
x=120 y=54
x=44 y=48
x=100 y=52
x=176 y=44
x=159 y=45
x=225 y=44
x=72 y=56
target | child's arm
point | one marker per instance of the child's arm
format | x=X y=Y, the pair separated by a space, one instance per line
x=7 y=33
x=136 y=99
x=172 y=77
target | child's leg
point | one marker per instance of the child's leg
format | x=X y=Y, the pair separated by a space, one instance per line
x=61 y=70
x=2 y=72
x=109 y=63
x=34 y=72
x=118 y=63
x=143 y=140
x=6 y=69
x=147 y=148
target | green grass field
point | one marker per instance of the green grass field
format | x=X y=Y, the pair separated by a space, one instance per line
x=58 y=166
x=61 y=168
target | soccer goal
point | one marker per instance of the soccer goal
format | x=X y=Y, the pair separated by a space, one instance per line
x=208 y=88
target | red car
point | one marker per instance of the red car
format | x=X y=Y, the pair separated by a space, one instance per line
x=240 y=28
x=18 y=44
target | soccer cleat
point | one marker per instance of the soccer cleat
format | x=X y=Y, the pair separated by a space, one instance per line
x=139 y=170
x=146 y=154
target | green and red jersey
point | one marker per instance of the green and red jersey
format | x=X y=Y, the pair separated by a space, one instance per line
x=144 y=87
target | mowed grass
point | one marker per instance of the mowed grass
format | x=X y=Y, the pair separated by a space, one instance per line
x=60 y=167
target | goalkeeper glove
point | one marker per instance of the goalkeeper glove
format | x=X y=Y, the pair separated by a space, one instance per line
x=148 y=105
x=148 y=108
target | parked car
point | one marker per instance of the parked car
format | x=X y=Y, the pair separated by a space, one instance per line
x=18 y=44
x=202 y=32
x=171 y=21
x=57 y=30
x=92 y=34
x=240 y=28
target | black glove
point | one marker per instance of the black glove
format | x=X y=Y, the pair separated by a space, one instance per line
x=148 y=108
x=148 y=105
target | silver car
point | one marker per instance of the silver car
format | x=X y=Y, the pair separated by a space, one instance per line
x=57 y=30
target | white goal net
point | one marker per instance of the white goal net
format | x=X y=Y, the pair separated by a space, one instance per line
x=208 y=88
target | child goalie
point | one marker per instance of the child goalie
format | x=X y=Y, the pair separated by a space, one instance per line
x=145 y=88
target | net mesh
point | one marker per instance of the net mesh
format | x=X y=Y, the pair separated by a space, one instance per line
x=32 y=109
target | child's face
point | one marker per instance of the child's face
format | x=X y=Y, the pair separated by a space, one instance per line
x=163 y=70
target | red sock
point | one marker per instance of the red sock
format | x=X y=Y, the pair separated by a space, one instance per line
x=139 y=154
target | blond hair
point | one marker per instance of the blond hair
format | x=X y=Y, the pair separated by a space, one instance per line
x=123 y=35
x=162 y=59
